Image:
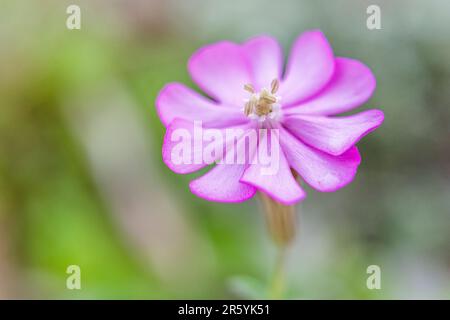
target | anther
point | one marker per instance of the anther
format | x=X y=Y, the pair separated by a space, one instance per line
x=248 y=87
x=264 y=104
x=274 y=86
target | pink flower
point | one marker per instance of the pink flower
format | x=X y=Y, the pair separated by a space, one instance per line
x=301 y=104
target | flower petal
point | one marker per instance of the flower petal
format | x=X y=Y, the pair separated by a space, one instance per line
x=222 y=184
x=176 y=100
x=265 y=57
x=310 y=67
x=221 y=70
x=185 y=142
x=352 y=85
x=273 y=174
x=320 y=170
x=334 y=135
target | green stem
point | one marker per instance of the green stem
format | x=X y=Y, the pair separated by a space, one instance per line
x=277 y=284
x=281 y=224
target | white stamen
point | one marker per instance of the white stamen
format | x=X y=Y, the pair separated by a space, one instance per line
x=263 y=105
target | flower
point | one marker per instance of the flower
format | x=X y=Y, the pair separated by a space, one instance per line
x=247 y=90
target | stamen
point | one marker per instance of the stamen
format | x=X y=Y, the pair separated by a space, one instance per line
x=247 y=109
x=264 y=104
x=248 y=87
x=269 y=99
x=274 y=86
x=262 y=109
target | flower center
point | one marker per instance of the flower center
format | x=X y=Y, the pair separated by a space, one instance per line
x=263 y=105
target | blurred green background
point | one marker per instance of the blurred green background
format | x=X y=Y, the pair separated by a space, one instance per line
x=82 y=181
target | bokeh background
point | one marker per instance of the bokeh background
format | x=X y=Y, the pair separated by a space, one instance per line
x=82 y=181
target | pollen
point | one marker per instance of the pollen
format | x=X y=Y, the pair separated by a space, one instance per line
x=262 y=105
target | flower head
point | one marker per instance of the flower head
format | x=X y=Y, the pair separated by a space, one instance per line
x=248 y=91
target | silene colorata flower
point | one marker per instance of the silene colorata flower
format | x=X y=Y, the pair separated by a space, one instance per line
x=265 y=129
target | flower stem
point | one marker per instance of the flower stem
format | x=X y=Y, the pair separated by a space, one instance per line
x=281 y=224
x=278 y=281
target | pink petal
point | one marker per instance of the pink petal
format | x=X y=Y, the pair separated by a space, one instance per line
x=352 y=85
x=310 y=67
x=221 y=70
x=320 y=170
x=333 y=135
x=265 y=58
x=280 y=184
x=176 y=100
x=222 y=184
x=194 y=147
